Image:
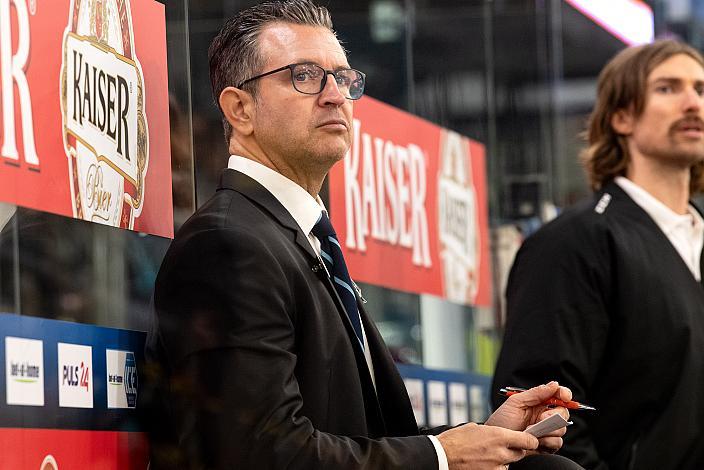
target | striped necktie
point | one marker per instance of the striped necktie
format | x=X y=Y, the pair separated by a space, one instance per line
x=331 y=252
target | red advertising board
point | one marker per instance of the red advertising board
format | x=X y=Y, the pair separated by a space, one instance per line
x=84 y=123
x=55 y=449
x=410 y=208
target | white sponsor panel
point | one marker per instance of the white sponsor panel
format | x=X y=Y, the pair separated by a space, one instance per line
x=459 y=407
x=417 y=396
x=75 y=375
x=24 y=371
x=121 y=379
x=477 y=404
x=437 y=403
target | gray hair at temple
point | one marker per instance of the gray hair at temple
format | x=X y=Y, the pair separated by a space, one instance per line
x=234 y=54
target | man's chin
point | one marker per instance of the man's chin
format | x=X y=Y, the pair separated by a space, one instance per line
x=685 y=155
x=333 y=153
x=692 y=157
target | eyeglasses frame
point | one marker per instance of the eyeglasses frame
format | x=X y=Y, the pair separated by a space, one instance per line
x=322 y=83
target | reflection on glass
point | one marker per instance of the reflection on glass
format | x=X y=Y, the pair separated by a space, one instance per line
x=85 y=272
x=397 y=316
x=8 y=259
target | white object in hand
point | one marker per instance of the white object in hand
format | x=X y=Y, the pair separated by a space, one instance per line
x=548 y=425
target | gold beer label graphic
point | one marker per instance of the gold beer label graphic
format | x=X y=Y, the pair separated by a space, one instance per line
x=102 y=105
x=457 y=224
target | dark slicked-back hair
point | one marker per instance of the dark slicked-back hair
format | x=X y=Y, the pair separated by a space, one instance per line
x=622 y=86
x=234 y=54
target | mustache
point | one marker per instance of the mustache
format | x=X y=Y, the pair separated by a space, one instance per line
x=688 y=122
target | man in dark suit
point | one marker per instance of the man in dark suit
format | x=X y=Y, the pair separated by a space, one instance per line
x=266 y=358
x=608 y=297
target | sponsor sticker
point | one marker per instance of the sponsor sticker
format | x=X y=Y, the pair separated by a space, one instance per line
x=437 y=403
x=24 y=371
x=416 y=393
x=122 y=379
x=75 y=375
x=459 y=407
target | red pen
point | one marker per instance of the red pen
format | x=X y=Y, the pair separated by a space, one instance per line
x=570 y=405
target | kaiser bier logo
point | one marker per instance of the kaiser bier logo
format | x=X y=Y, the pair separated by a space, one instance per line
x=102 y=102
x=13 y=69
x=459 y=238
x=383 y=203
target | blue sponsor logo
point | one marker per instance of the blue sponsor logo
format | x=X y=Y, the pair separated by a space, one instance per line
x=131 y=380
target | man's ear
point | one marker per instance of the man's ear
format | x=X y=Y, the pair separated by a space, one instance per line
x=238 y=107
x=622 y=122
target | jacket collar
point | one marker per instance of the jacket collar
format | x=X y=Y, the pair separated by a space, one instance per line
x=252 y=190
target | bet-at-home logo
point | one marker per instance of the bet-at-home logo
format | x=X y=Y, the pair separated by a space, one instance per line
x=102 y=103
x=24 y=371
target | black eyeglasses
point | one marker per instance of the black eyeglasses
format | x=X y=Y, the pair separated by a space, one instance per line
x=310 y=79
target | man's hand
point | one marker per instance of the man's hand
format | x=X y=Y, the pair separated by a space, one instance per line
x=476 y=447
x=523 y=409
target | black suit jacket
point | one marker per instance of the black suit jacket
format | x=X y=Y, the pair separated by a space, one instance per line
x=254 y=361
x=600 y=300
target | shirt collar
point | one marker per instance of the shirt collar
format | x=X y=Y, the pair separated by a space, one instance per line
x=667 y=219
x=304 y=208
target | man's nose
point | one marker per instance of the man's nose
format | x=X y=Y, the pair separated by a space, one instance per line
x=693 y=99
x=331 y=94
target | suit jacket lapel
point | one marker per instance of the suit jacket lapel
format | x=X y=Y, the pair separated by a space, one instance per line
x=251 y=189
x=701 y=255
x=629 y=206
x=375 y=415
x=243 y=184
x=396 y=415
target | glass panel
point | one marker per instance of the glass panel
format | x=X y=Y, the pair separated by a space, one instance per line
x=177 y=37
x=9 y=263
x=84 y=272
x=205 y=18
x=397 y=316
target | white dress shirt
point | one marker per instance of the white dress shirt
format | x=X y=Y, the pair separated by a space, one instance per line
x=305 y=210
x=685 y=231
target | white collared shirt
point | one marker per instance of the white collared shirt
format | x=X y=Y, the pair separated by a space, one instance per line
x=305 y=210
x=685 y=231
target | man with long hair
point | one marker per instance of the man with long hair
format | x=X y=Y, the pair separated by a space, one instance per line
x=608 y=297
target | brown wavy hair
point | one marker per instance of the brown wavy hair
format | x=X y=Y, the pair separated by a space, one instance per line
x=622 y=85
